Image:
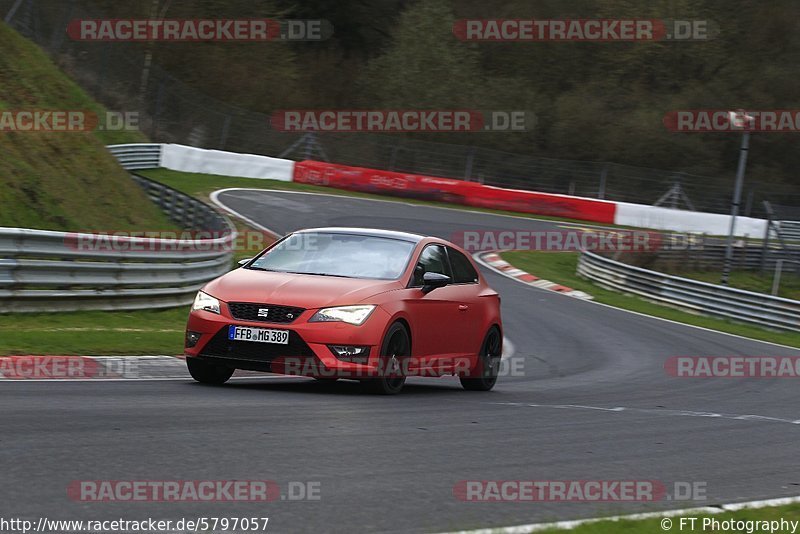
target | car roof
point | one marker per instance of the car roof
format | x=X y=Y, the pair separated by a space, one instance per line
x=376 y=232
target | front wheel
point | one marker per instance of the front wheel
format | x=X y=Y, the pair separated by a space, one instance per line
x=483 y=376
x=208 y=373
x=395 y=348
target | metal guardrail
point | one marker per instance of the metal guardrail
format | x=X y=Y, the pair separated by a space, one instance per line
x=711 y=255
x=43 y=270
x=137 y=155
x=691 y=295
x=789 y=230
x=58 y=271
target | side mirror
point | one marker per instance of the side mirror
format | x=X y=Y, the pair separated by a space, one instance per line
x=243 y=262
x=431 y=281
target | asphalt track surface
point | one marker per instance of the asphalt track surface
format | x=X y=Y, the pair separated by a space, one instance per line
x=390 y=464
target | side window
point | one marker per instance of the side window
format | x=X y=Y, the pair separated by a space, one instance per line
x=432 y=260
x=463 y=271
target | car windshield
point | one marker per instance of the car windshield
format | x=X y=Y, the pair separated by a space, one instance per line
x=338 y=254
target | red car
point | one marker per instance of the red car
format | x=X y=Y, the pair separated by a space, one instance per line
x=329 y=303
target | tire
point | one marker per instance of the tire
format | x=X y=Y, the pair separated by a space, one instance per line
x=208 y=373
x=483 y=376
x=396 y=346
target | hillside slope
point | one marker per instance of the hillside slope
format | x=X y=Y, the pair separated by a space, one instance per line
x=61 y=180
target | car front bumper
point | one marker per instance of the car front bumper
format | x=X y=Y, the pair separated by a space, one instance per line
x=307 y=353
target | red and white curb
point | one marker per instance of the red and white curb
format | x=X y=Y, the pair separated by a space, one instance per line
x=493 y=261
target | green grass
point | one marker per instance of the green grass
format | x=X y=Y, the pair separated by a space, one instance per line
x=789 y=512
x=61 y=180
x=560 y=267
x=94 y=333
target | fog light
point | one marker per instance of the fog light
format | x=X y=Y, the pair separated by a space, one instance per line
x=192 y=338
x=350 y=352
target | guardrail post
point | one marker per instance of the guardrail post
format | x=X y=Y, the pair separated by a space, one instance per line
x=191 y=215
x=765 y=248
x=776 y=278
x=181 y=207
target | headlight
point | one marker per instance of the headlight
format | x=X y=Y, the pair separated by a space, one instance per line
x=205 y=302
x=347 y=314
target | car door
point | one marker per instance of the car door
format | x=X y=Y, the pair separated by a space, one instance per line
x=466 y=291
x=436 y=315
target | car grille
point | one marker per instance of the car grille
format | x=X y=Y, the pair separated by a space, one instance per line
x=221 y=347
x=248 y=311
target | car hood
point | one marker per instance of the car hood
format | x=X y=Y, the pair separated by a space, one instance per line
x=301 y=290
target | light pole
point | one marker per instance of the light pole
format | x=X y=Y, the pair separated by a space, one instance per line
x=739 y=120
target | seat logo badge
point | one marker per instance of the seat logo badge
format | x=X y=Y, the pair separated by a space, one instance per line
x=263 y=312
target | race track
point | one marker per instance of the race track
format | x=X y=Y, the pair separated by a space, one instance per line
x=390 y=464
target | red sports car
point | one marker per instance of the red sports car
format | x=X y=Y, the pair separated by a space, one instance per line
x=371 y=305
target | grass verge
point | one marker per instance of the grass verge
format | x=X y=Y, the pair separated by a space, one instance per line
x=94 y=333
x=57 y=180
x=790 y=512
x=560 y=267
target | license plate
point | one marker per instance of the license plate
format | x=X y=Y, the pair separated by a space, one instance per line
x=259 y=335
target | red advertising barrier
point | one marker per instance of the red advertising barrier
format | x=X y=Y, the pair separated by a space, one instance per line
x=454 y=191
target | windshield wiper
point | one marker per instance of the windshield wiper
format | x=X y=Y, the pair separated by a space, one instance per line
x=318 y=274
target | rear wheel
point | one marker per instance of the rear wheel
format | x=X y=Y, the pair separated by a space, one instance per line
x=395 y=348
x=208 y=373
x=483 y=376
